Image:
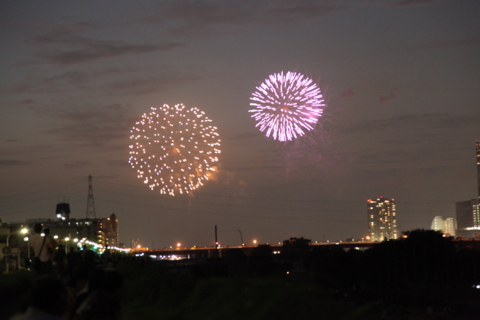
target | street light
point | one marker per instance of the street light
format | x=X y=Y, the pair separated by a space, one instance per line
x=23 y=231
x=28 y=246
x=66 y=243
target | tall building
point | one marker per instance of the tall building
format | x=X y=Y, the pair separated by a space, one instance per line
x=468 y=218
x=108 y=231
x=477 y=145
x=382 y=220
x=438 y=224
x=447 y=226
x=63 y=211
x=451 y=226
x=468 y=212
x=103 y=231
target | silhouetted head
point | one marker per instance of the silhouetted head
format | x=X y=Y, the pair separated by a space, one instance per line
x=49 y=295
x=46 y=231
x=37 y=228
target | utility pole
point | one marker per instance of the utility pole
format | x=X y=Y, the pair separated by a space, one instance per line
x=90 y=202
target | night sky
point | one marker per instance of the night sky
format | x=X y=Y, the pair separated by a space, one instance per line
x=400 y=80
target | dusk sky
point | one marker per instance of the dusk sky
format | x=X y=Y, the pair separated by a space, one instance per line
x=400 y=79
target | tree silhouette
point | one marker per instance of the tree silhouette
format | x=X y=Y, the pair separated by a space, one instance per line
x=295 y=249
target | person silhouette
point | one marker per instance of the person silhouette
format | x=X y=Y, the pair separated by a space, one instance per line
x=43 y=247
x=46 y=300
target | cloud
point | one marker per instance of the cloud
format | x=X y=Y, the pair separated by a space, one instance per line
x=65 y=47
x=390 y=96
x=347 y=94
x=79 y=77
x=101 y=51
x=404 y=3
x=103 y=177
x=146 y=84
x=108 y=81
x=118 y=163
x=433 y=120
x=201 y=17
x=106 y=126
x=10 y=163
x=77 y=164
x=447 y=44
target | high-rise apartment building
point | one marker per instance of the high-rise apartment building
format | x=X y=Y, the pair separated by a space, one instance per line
x=103 y=231
x=451 y=226
x=438 y=224
x=468 y=218
x=382 y=220
x=468 y=212
x=446 y=226
x=477 y=145
x=108 y=231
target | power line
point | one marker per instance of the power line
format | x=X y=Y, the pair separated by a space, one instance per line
x=259 y=207
x=40 y=190
x=281 y=199
x=35 y=200
x=244 y=215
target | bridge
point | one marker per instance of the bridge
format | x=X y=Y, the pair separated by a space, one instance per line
x=197 y=253
x=204 y=253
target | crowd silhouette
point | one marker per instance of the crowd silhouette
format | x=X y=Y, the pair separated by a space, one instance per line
x=78 y=285
x=423 y=275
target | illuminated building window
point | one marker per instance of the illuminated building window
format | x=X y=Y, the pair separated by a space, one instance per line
x=380 y=225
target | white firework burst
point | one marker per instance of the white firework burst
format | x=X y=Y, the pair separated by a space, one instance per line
x=174 y=149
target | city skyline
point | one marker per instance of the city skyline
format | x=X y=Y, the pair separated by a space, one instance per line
x=399 y=79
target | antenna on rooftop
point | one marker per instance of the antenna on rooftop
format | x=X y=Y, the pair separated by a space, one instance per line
x=90 y=202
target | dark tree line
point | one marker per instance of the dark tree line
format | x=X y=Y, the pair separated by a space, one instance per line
x=421 y=260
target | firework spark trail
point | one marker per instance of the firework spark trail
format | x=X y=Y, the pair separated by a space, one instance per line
x=286 y=105
x=174 y=149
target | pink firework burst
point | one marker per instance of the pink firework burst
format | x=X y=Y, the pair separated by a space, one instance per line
x=287 y=105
